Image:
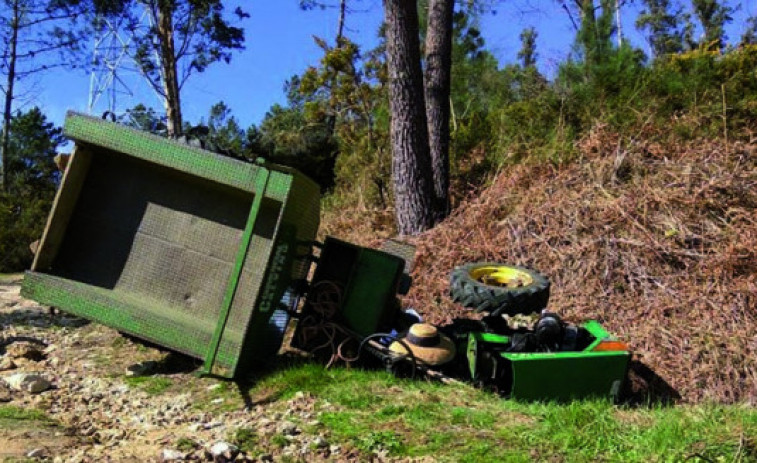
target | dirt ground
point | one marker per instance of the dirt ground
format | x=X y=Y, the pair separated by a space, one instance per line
x=94 y=411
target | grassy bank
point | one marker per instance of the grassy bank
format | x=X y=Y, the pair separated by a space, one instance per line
x=374 y=412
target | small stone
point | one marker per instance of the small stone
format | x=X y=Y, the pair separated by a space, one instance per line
x=171 y=455
x=36 y=453
x=217 y=401
x=121 y=389
x=5 y=393
x=320 y=442
x=335 y=449
x=213 y=387
x=142 y=369
x=212 y=425
x=223 y=450
x=24 y=350
x=288 y=428
x=28 y=382
x=7 y=363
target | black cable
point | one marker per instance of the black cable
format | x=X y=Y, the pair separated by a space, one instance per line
x=413 y=359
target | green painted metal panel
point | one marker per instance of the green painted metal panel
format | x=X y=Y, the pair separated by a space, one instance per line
x=372 y=288
x=261 y=182
x=596 y=330
x=106 y=135
x=139 y=316
x=567 y=375
x=369 y=279
x=161 y=230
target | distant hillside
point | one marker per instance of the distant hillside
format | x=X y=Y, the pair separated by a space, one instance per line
x=658 y=240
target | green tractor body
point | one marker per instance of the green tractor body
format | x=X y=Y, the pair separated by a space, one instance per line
x=209 y=256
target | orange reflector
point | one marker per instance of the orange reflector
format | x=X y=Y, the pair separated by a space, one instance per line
x=611 y=346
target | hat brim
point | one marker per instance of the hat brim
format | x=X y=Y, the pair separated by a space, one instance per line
x=433 y=355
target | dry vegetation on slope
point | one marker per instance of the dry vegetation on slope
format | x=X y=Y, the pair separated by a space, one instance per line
x=658 y=240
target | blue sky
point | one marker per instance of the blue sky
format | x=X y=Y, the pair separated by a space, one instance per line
x=279 y=44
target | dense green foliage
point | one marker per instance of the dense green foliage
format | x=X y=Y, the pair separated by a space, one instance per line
x=32 y=179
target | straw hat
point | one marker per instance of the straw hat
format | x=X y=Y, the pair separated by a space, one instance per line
x=426 y=344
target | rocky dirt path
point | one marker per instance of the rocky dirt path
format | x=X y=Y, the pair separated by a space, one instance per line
x=68 y=393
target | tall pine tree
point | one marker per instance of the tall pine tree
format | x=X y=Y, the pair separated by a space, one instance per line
x=661 y=25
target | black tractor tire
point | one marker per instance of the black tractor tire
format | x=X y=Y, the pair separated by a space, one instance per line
x=472 y=286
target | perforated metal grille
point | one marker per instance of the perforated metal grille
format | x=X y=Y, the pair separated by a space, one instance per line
x=151 y=243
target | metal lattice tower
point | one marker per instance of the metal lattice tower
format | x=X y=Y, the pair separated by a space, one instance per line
x=111 y=71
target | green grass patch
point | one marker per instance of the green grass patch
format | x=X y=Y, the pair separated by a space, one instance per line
x=185 y=444
x=15 y=418
x=246 y=439
x=14 y=413
x=377 y=413
x=223 y=397
x=151 y=384
x=279 y=440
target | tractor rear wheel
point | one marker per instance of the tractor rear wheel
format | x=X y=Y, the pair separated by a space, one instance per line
x=499 y=288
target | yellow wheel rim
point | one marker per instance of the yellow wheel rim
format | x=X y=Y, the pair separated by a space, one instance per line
x=497 y=275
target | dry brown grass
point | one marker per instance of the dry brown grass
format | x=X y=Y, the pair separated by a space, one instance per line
x=657 y=240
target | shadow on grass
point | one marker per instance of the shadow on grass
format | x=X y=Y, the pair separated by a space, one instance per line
x=277 y=364
x=175 y=363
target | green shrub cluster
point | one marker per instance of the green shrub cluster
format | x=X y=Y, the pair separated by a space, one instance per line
x=702 y=93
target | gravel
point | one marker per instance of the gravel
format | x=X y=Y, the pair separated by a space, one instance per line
x=78 y=374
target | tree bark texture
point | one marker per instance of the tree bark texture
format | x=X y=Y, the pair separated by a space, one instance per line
x=169 y=73
x=411 y=162
x=12 y=56
x=340 y=27
x=437 y=87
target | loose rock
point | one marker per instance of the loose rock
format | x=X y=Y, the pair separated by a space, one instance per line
x=171 y=455
x=7 y=363
x=221 y=451
x=28 y=382
x=288 y=428
x=24 y=350
x=5 y=393
x=36 y=453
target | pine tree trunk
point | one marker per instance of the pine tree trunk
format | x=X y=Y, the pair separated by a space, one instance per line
x=11 y=80
x=618 y=23
x=437 y=86
x=168 y=64
x=340 y=27
x=411 y=162
x=588 y=33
